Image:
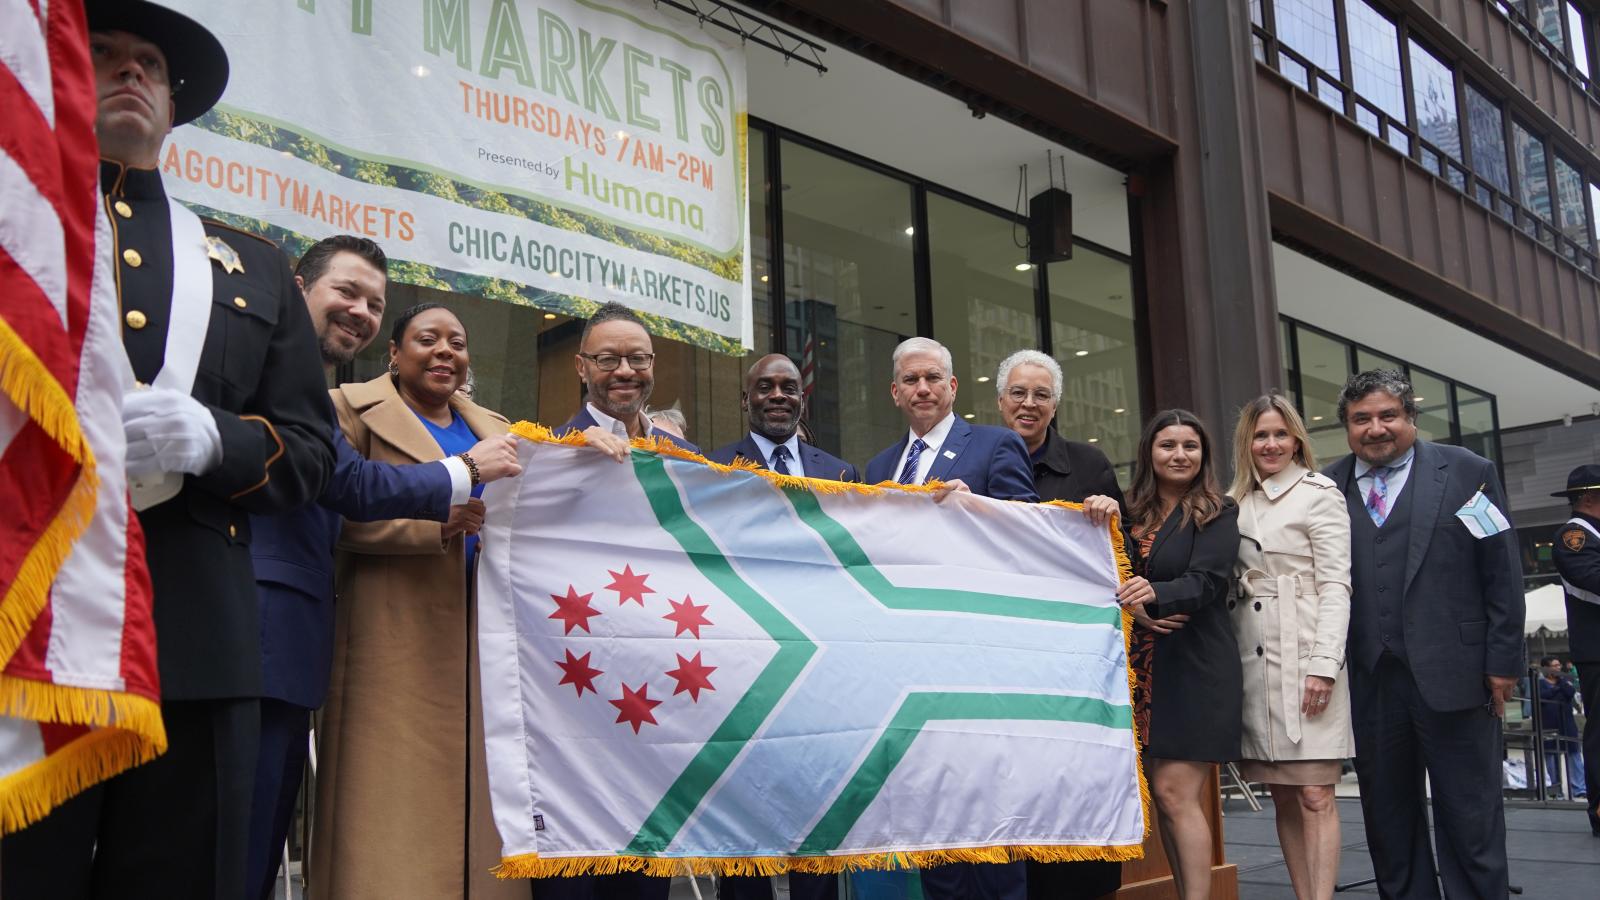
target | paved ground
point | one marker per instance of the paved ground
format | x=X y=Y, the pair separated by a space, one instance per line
x=1553 y=856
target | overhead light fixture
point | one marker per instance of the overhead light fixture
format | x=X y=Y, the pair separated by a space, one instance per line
x=983 y=379
x=1081 y=353
x=911 y=229
x=1023 y=267
x=1119 y=411
x=763 y=279
x=1420 y=399
x=1094 y=440
x=549 y=315
x=966 y=415
x=1316 y=418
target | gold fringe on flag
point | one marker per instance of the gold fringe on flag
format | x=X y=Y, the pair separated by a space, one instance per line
x=531 y=865
x=34 y=390
x=127 y=731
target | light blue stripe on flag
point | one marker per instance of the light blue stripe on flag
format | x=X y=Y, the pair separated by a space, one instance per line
x=1482 y=517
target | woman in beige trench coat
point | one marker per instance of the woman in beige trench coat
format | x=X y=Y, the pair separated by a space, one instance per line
x=1291 y=614
x=402 y=807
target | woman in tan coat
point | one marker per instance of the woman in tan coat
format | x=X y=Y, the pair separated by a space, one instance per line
x=1291 y=615
x=402 y=807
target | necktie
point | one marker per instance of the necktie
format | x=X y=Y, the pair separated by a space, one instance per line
x=908 y=472
x=1378 y=495
x=780 y=459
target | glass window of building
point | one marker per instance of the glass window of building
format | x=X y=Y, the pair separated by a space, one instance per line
x=1569 y=200
x=1546 y=17
x=1533 y=176
x=1286 y=353
x=1324 y=367
x=1367 y=360
x=850 y=293
x=1487 y=128
x=1433 y=90
x=1091 y=336
x=983 y=298
x=1309 y=28
x=1375 y=68
x=1476 y=415
x=760 y=244
x=1579 y=49
x=1435 y=410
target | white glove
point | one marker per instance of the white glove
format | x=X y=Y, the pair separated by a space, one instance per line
x=169 y=431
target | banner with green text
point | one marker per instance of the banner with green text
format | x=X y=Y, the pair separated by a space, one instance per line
x=553 y=153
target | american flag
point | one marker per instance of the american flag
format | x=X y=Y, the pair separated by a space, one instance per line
x=79 y=696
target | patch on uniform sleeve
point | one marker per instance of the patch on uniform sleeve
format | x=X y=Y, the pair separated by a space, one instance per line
x=1574 y=538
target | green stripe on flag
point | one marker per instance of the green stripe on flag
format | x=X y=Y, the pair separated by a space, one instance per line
x=914 y=714
x=860 y=567
x=757 y=703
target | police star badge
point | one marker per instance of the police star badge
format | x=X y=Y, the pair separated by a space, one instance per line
x=218 y=249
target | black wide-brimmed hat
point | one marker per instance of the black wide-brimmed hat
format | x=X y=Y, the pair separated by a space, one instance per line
x=1583 y=478
x=197 y=66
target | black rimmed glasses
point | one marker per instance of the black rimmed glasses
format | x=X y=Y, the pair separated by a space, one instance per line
x=608 y=362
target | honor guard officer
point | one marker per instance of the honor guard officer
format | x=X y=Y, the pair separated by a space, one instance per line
x=1577 y=557
x=230 y=419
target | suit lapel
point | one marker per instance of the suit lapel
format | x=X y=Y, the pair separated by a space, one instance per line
x=891 y=457
x=482 y=422
x=1167 y=528
x=388 y=417
x=950 y=451
x=747 y=448
x=1343 y=473
x=1428 y=474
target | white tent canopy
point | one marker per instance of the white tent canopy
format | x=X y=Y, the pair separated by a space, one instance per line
x=1547 y=610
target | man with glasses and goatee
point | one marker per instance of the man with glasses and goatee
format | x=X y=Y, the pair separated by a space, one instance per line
x=616 y=363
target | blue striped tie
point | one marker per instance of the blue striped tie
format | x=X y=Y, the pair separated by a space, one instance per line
x=780 y=459
x=908 y=472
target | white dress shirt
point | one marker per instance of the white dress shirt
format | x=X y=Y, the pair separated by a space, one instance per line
x=796 y=466
x=1400 y=473
x=614 y=426
x=934 y=439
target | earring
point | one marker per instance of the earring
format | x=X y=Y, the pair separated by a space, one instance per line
x=394 y=370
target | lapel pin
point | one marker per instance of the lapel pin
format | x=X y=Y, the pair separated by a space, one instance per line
x=949 y=454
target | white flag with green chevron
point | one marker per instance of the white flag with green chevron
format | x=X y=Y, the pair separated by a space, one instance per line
x=687 y=665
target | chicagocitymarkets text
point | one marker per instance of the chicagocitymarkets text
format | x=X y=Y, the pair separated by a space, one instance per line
x=589 y=268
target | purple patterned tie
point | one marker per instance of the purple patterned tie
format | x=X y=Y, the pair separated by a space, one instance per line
x=1378 y=495
x=908 y=472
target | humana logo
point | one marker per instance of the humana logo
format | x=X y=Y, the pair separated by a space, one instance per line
x=628 y=198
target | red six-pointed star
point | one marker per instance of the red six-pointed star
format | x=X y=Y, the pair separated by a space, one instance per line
x=576 y=672
x=687 y=616
x=693 y=676
x=629 y=586
x=634 y=706
x=573 y=610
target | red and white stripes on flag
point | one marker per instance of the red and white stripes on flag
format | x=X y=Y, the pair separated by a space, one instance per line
x=79 y=693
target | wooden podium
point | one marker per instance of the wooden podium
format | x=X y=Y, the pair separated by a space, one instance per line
x=1151 y=879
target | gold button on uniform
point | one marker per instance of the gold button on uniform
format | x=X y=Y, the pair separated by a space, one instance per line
x=135 y=319
x=239 y=302
x=132 y=257
x=123 y=209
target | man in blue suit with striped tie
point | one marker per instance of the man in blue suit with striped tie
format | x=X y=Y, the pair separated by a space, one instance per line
x=774 y=402
x=984 y=460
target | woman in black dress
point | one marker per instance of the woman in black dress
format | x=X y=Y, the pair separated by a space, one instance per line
x=1186 y=661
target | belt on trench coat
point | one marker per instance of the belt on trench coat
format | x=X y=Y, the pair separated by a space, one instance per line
x=1260 y=584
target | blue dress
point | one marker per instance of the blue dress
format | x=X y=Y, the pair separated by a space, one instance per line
x=452 y=439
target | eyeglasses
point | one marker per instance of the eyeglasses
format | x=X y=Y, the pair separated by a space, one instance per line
x=608 y=362
x=1021 y=394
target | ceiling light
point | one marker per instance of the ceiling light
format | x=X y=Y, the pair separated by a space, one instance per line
x=911 y=229
x=1316 y=418
x=763 y=279
x=982 y=379
x=549 y=315
x=1420 y=399
x=966 y=415
x=1119 y=410
x=1094 y=440
x=1023 y=267
x=1081 y=353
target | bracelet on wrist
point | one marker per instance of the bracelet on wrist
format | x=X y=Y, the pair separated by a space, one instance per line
x=472 y=467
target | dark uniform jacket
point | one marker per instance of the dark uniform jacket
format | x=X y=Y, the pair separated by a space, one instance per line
x=1577 y=557
x=1072 y=470
x=260 y=374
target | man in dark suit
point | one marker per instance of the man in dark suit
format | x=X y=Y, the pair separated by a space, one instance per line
x=1435 y=644
x=774 y=404
x=344 y=279
x=233 y=423
x=981 y=459
x=1029 y=387
x=616 y=363
x=1577 y=558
